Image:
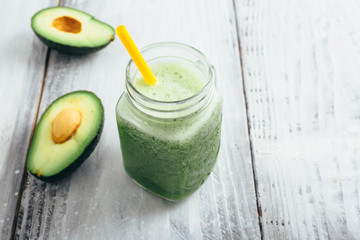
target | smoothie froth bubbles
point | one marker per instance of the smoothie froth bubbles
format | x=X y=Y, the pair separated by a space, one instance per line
x=170 y=132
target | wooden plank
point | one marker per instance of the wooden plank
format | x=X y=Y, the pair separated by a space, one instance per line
x=99 y=200
x=301 y=75
x=22 y=62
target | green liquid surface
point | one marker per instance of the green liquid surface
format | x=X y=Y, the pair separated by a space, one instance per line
x=174 y=82
x=170 y=157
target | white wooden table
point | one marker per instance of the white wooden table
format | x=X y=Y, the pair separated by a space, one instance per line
x=289 y=164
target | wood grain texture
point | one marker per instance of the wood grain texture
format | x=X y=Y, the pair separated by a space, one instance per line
x=22 y=61
x=99 y=201
x=301 y=76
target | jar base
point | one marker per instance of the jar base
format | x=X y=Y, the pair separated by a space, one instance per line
x=151 y=192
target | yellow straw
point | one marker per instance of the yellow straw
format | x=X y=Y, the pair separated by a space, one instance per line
x=135 y=55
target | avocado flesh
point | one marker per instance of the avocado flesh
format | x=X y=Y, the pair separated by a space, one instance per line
x=71 y=31
x=49 y=160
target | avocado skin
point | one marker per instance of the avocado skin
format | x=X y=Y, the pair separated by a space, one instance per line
x=86 y=153
x=72 y=167
x=70 y=49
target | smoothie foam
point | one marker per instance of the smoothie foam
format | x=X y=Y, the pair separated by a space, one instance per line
x=175 y=81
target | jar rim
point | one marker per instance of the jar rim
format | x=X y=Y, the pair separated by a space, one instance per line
x=196 y=52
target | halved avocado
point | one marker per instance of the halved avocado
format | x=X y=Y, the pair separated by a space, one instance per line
x=66 y=135
x=71 y=31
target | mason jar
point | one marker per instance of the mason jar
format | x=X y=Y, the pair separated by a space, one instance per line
x=170 y=147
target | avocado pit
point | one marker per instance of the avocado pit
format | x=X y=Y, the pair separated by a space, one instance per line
x=65 y=125
x=67 y=24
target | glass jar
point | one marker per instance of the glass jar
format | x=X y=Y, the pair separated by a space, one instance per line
x=170 y=147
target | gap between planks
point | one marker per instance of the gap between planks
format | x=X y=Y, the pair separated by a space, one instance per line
x=258 y=205
x=22 y=184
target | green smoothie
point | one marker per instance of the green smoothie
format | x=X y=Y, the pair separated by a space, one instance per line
x=170 y=157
